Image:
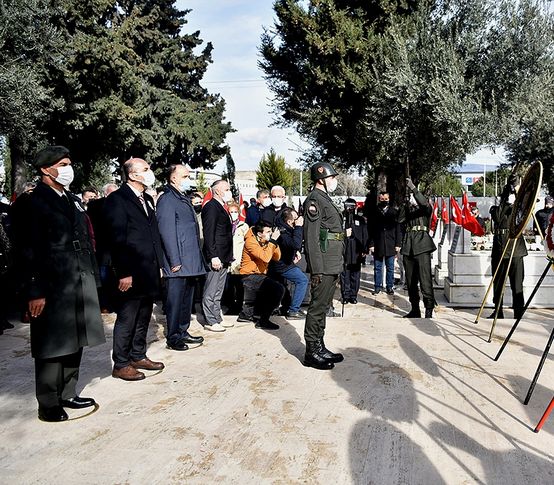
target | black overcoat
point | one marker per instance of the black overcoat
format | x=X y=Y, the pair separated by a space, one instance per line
x=58 y=264
x=134 y=241
x=385 y=233
x=218 y=232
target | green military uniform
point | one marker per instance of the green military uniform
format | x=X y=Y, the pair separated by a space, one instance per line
x=324 y=248
x=500 y=217
x=417 y=246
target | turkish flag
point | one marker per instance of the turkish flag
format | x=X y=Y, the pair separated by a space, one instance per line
x=242 y=210
x=456 y=211
x=468 y=221
x=435 y=216
x=444 y=212
x=207 y=197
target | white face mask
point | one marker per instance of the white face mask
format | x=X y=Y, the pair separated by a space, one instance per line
x=65 y=175
x=266 y=202
x=148 y=178
x=331 y=184
x=184 y=186
x=227 y=196
x=511 y=198
x=277 y=201
x=234 y=216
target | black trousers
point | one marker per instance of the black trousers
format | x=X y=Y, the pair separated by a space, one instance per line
x=418 y=270
x=262 y=295
x=350 y=281
x=322 y=289
x=178 y=307
x=57 y=378
x=130 y=329
x=516 y=275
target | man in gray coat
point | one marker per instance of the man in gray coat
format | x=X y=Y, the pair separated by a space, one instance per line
x=60 y=275
x=183 y=261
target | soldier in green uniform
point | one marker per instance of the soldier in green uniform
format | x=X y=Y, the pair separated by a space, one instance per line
x=417 y=247
x=500 y=216
x=324 y=247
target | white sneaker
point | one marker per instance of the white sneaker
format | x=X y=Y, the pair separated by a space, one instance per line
x=215 y=328
x=227 y=324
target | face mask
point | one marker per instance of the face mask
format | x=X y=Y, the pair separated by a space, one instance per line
x=277 y=201
x=197 y=208
x=65 y=175
x=266 y=202
x=148 y=178
x=383 y=203
x=234 y=216
x=184 y=186
x=332 y=185
x=227 y=196
x=511 y=198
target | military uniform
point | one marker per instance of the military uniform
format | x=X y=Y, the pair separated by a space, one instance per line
x=500 y=216
x=417 y=246
x=324 y=248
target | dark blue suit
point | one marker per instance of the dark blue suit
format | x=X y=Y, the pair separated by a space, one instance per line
x=181 y=246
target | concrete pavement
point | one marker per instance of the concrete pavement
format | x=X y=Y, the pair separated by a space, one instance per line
x=414 y=402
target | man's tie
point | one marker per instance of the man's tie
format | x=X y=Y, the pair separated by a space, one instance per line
x=143 y=202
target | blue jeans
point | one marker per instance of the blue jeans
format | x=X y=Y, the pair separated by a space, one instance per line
x=300 y=280
x=378 y=273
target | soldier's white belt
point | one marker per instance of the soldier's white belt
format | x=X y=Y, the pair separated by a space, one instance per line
x=417 y=228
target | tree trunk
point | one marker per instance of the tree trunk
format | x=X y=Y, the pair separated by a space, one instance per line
x=18 y=172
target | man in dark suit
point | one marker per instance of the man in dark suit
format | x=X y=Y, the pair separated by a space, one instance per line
x=136 y=251
x=59 y=273
x=385 y=239
x=218 y=251
x=183 y=260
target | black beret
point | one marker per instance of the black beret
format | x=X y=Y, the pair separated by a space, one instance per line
x=50 y=155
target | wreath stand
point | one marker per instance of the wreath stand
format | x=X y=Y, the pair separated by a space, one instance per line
x=521 y=214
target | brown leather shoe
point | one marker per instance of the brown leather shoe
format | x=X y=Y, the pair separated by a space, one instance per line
x=128 y=373
x=147 y=364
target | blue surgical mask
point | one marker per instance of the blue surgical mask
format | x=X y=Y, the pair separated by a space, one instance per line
x=184 y=186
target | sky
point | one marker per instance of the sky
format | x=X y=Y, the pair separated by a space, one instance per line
x=234 y=27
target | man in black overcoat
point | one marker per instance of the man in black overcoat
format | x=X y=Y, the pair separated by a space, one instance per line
x=385 y=239
x=137 y=259
x=59 y=271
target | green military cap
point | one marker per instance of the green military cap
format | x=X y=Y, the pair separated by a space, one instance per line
x=50 y=155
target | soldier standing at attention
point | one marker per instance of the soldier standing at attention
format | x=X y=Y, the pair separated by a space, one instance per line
x=500 y=217
x=417 y=247
x=324 y=246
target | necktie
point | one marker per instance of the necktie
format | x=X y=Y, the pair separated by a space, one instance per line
x=143 y=202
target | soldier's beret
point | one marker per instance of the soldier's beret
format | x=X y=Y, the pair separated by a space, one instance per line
x=50 y=155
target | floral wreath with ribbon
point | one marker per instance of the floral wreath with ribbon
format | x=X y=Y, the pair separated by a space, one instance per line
x=548 y=239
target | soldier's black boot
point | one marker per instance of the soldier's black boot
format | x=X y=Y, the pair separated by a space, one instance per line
x=500 y=314
x=312 y=358
x=428 y=313
x=328 y=355
x=413 y=313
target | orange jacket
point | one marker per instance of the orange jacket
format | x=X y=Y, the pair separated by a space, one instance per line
x=256 y=254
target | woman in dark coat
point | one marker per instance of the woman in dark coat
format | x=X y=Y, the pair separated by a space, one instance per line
x=60 y=276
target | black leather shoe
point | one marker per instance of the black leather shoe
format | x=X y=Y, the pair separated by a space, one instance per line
x=189 y=339
x=390 y=291
x=413 y=314
x=266 y=325
x=78 y=402
x=244 y=318
x=377 y=291
x=180 y=345
x=345 y=301
x=52 y=415
x=353 y=301
x=428 y=313
x=313 y=358
x=500 y=315
x=6 y=325
x=328 y=355
x=295 y=316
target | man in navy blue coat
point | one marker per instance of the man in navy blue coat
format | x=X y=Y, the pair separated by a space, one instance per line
x=183 y=261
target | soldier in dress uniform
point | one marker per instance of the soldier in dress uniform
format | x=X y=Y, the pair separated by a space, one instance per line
x=500 y=216
x=60 y=276
x=417 y=246
x=324 y=247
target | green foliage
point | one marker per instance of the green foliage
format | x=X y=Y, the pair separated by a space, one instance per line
x=294 y=189
x=230 y=171
x=403 y=86
x=444 y=184
x=272 y=171
x=494 y=183
x=201 y=185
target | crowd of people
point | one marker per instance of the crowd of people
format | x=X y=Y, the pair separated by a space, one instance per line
x=127 y=247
